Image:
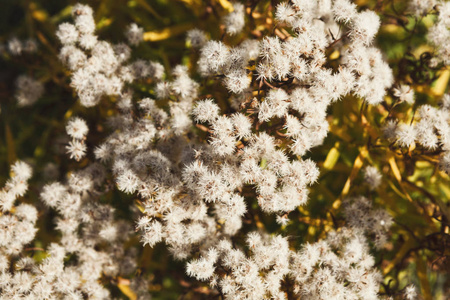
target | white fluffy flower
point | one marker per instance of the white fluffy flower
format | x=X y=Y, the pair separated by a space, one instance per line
x=76 y=149
x=67 y=33
x=206 y=111
x=77 y=128
x=365 y=27
x=134 y=34
x=285 y=13
x=28 y=90
x=372 y=177
x=22 y=170
x=406 y=135
x=235 y=21
x=404 y=93
x=197 y=38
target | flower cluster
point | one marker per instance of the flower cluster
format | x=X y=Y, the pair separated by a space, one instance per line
x=301 y=57
x=99 y=67
x=192 y=192
x=439 y=34
x=339 y=267
x=361 y=216
x=90 y=232
x=17 y=223
x=243 y=277
x=430 y=129
x=214 y=146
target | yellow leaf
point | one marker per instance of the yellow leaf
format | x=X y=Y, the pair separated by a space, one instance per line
x=311 y=230
x=396 y=190
x=441 y=83
x=258 y=222
x=397 y=174
x=104 y=22
x=40 y=15
x=140 y=206
x=303 y=210
x=38 y=151
x=354 y=172
x=391 y=28
x=159 y=35
x=191 y=2
x=332 y=157
x=226 y=5
x=68 y=114
x=125 y=289
x=334 y=55
x=428 y=20
x=394 y=167
x=445 y=189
